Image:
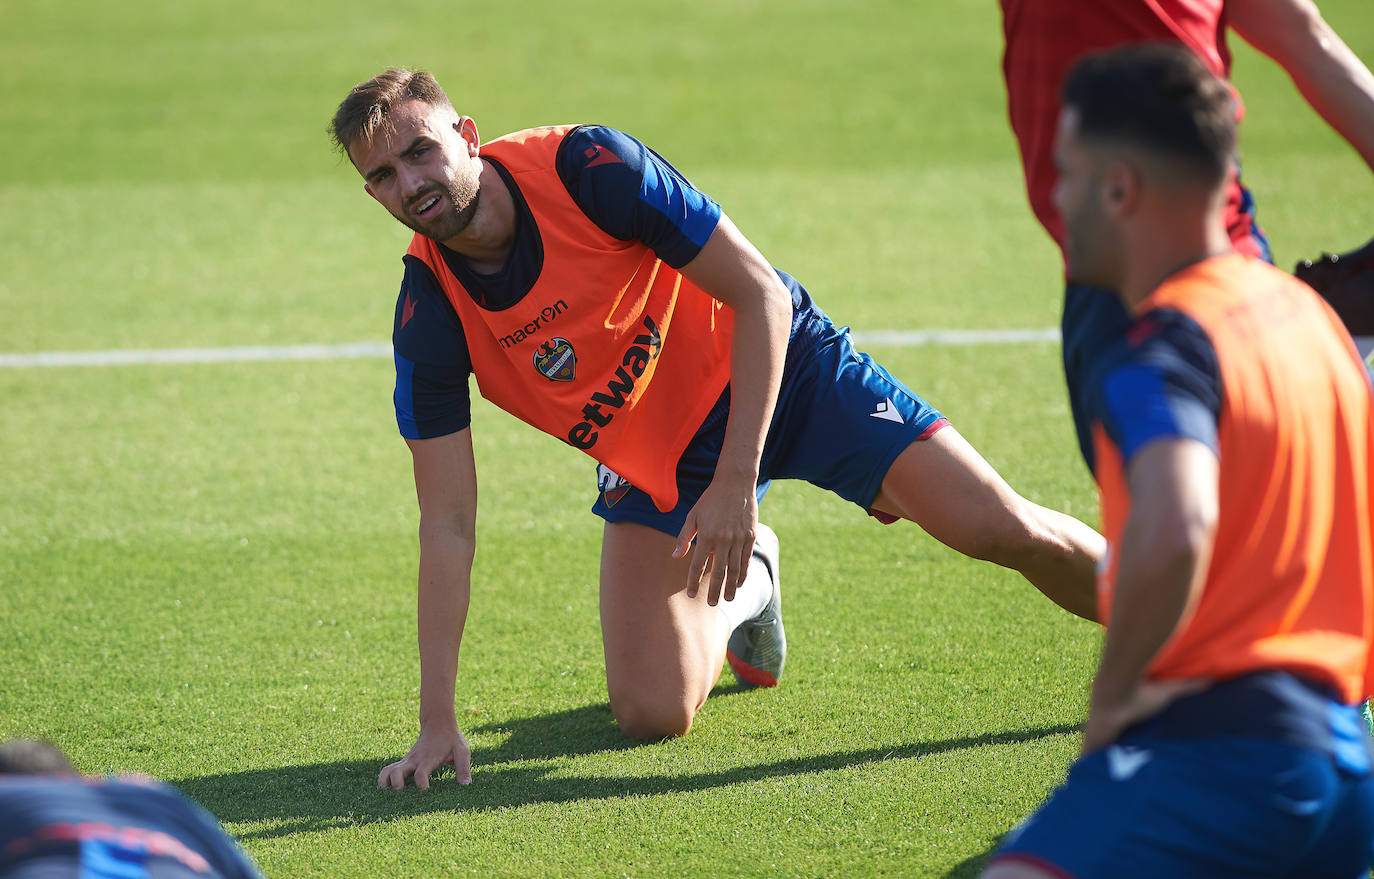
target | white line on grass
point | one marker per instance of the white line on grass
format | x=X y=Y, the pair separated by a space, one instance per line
x=922 y=338
x=364 y=350
x=133 y=357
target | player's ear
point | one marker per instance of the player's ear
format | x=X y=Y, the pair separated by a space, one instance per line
x=1120 y=189
x=467 y=130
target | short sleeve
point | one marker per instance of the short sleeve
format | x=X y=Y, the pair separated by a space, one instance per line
x=633 y=194
x=1165 y=385
x=432 y=362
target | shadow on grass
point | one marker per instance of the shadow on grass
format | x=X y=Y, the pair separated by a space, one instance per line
x=586 y=730
x=571 y=733
x=295 y=799
x=969 y=868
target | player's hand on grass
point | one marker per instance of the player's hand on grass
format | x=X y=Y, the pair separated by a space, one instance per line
x=723 y=521
x=433 y=749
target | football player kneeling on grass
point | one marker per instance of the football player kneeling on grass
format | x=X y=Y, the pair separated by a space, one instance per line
x=598 y=296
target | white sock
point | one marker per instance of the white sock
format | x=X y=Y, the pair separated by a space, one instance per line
x=751 y=596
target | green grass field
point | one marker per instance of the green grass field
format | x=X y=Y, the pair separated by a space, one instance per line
x=208 y=570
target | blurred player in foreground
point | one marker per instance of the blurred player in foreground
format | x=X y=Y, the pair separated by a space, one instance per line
x=1233 y=443
x=1043 y=38
x=56 y=823
x=596 y=295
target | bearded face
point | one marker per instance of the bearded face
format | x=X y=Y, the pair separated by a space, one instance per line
x=423 y=169
x=1091 y=240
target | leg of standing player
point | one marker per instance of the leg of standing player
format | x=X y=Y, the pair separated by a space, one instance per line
x=942 y=484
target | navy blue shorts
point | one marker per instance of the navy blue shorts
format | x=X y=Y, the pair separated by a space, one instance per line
x=840 y=421
x=1213 y=807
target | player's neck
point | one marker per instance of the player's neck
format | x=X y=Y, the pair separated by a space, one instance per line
x=1168 y=248
x=487 y=240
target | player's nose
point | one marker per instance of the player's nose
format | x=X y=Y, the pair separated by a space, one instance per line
x=412 y=182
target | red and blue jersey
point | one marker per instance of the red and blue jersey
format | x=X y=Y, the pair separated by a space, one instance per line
x=110 y=827
x=1044 y=38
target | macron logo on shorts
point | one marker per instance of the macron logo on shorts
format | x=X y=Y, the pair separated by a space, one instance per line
x=887 y=411
x=1123 y=763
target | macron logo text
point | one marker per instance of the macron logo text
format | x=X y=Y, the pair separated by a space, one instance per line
x=544 y=317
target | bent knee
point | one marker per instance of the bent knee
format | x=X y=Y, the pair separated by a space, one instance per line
x=652 y=720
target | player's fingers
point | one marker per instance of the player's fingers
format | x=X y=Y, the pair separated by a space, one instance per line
x=422 y=778
x=1156 y=696
x=392 y=775
x=746 y=555
x=719 y=568
x=684 y=537
x=462 y=765
x=696 y=572
x=684 y=545
x=739 y=569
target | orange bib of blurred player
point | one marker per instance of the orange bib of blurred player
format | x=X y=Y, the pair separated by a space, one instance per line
x=1291 y=581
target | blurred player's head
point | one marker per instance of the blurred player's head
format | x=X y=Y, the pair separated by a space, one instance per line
x=418 y=157
x=32 y=757
x=1146 y=139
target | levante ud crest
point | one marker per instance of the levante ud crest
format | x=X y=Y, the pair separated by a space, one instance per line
x=556 y=360
x=612 y=485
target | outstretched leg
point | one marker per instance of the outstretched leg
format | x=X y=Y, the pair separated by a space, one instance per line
x=942 y=484
x=664 y=650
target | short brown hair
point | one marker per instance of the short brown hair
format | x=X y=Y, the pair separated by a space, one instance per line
x=1159 y=97
x=367 y=106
